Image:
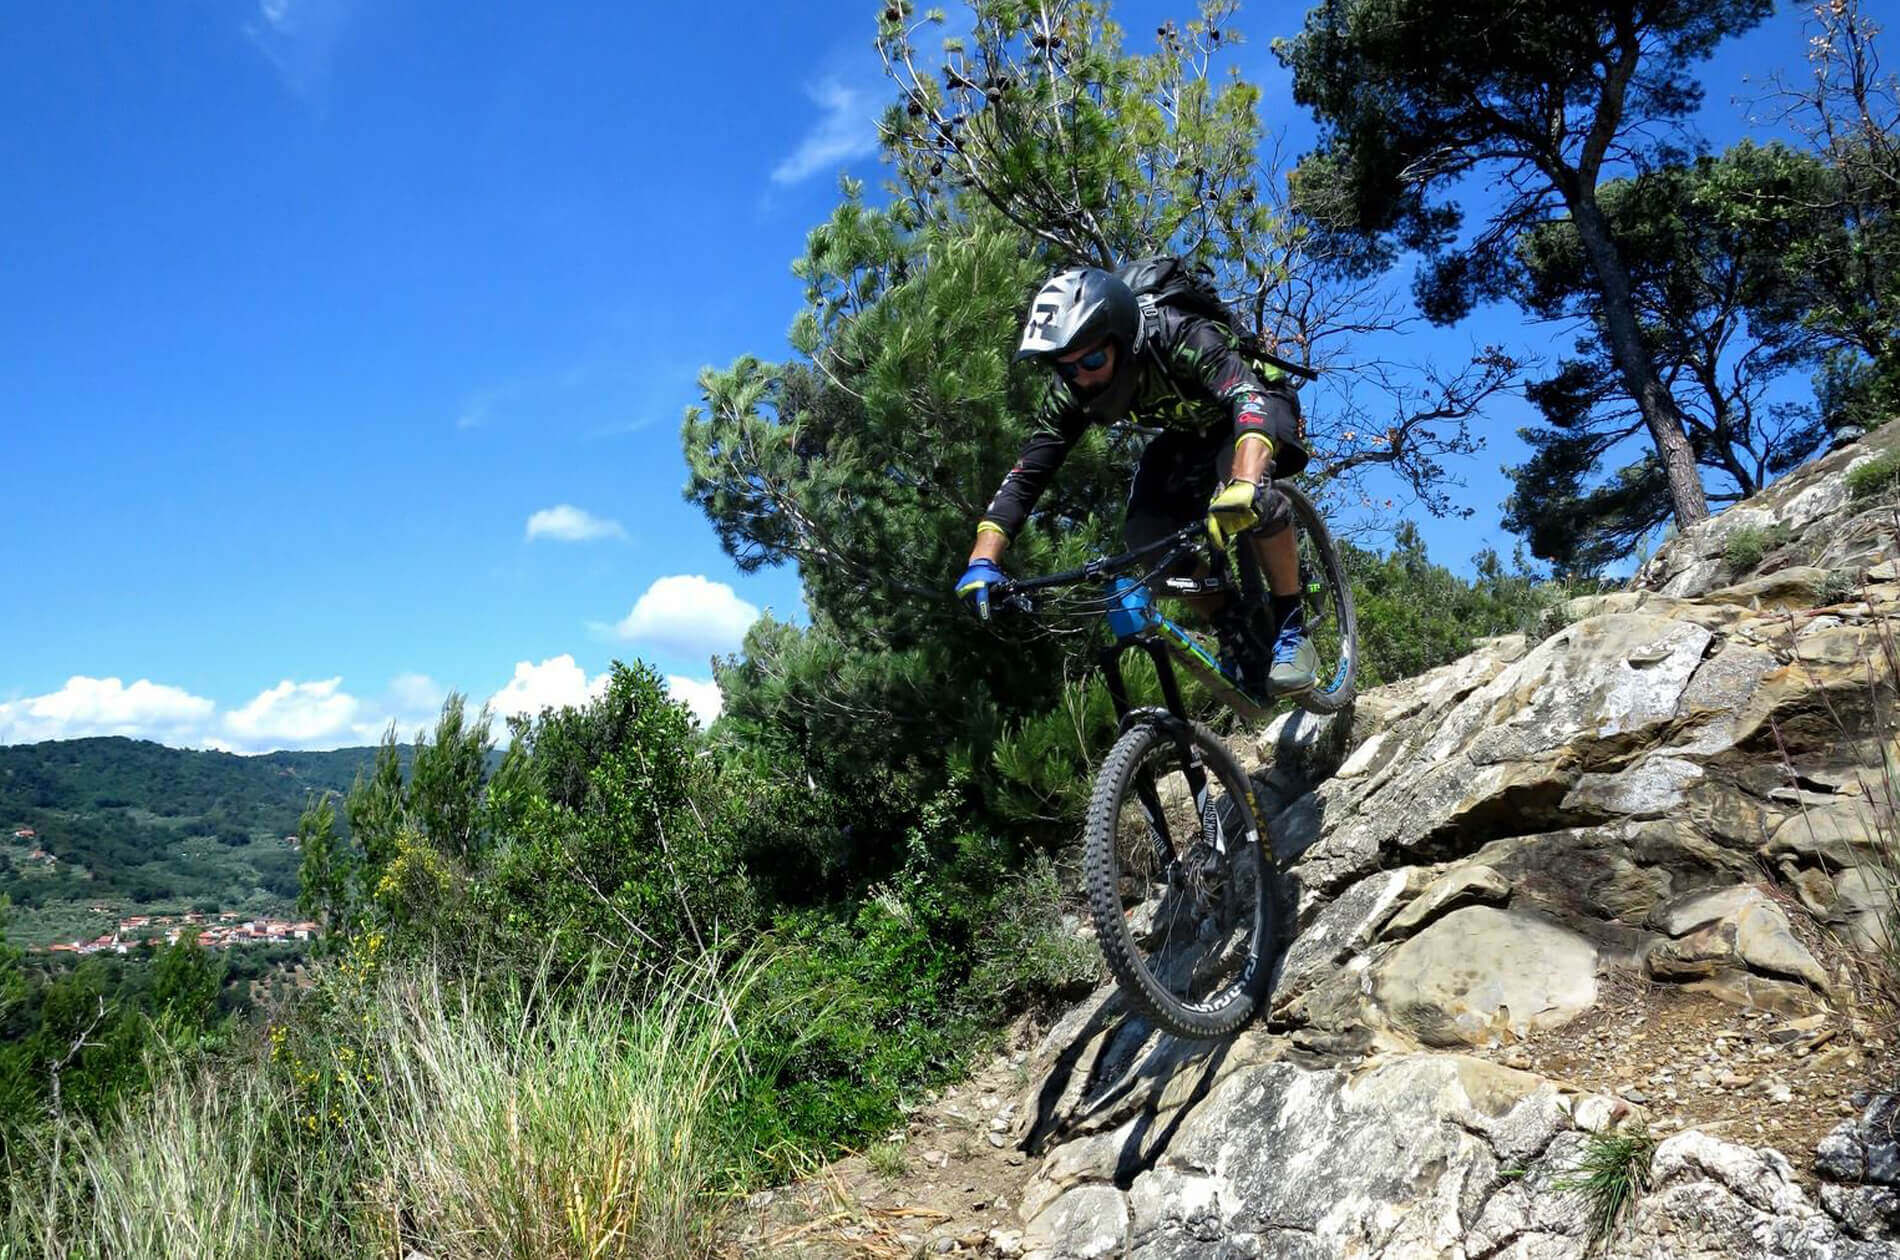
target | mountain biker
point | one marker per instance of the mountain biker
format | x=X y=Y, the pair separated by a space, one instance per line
x=1226 y=434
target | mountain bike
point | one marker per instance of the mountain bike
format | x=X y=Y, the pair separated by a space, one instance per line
x=1179 y=878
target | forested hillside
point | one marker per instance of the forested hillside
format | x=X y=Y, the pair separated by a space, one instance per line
x=121 y=823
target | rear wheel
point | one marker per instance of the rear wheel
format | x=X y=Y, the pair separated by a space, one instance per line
x=1178 y=880
x=1326 y=603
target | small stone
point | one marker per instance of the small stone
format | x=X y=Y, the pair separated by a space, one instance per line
x=1015 y=1159
x=936 y=1159
x=759 y=1199
x=1007 y=1242
x=999 y=1125
x=1632 y=1094
x=1734 y=1080
x=998 y=1140
x=944 y=1246
x=1780 y=1092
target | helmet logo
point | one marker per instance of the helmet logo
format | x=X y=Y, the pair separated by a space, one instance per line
x=1039 y=324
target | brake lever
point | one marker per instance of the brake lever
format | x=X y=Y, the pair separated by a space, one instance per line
x=1011 y=600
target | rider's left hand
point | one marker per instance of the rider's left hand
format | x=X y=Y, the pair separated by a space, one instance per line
x=1235 y=508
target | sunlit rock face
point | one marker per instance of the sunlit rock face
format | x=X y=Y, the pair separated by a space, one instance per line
x=1676 y=793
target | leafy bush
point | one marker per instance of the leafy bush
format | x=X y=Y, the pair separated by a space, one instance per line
x=603 y=841
x=1877 y=477
x=1748 y=545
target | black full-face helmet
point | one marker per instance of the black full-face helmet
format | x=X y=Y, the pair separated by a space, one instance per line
x=1078 y=308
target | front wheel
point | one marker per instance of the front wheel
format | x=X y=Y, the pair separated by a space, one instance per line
x=1326 y=602
x=1178 y=878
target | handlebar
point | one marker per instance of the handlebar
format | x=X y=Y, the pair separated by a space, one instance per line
x=1013 y=594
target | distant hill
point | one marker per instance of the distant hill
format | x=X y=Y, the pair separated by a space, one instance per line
x=119 y=823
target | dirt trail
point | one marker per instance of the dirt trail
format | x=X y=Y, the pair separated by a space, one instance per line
x=949 y=1187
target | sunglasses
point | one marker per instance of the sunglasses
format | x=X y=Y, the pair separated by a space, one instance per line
x=1089 y=362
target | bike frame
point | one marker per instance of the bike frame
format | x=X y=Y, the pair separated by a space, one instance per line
x=1137 y=625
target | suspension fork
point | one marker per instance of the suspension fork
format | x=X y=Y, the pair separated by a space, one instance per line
x=1175 y=722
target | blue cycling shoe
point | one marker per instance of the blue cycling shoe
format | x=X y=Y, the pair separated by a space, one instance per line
x=1295 y=659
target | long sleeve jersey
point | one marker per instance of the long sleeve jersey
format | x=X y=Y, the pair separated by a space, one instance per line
x=1190 y=375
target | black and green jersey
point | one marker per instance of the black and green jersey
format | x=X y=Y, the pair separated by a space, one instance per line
x=1189 y=376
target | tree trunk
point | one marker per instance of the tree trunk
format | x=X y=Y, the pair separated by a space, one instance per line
x=1639 y=372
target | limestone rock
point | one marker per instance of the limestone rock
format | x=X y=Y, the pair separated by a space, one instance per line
x=1480 y=972
x=1714 y=1200
x=1466 y=884
x=1343 y=926
x=1739 y=924
x=1086 y=1222
x=1866 y=1148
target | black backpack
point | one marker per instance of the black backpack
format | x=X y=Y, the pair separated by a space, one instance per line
x=1165 y=280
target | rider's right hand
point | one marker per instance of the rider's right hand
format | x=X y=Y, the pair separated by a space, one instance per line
x=973 y=588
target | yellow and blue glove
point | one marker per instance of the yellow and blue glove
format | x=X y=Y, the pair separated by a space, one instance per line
x=973 y=588
x=1234 y=509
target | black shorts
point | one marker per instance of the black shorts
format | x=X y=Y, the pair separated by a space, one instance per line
x=1179 y=473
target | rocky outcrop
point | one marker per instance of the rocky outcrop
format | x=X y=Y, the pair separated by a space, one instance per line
x=1680 y=791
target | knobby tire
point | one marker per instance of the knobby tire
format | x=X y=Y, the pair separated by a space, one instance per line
x=1334 y=617
x=1109 y=874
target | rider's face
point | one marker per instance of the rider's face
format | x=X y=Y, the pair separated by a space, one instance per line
x=1089 y=368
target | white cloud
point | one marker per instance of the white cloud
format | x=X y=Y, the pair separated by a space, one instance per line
x=566 y=523
x=847 y=130
x=300 y=38
x=689 y=614
x=296 y=715
x=106 y=706
x=417 y=691
x=558 y=682
x=701 y=695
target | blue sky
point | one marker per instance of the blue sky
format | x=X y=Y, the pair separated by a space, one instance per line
x=345 y=344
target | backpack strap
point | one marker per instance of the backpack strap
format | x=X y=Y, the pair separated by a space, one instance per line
x=1150 y=319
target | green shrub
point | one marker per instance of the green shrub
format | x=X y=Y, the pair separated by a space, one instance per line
x=602 y=838
x=1747 y=544
x=1838 y=587
x=1025 y=958
x=1876 y=478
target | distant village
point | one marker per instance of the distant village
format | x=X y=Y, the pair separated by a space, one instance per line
x=147 y=931
x=220 y=931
